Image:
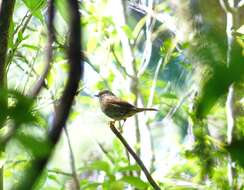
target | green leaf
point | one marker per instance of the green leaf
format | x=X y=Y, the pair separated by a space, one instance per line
x=91 y=45
x=62 y=8
x=138 y=27
x=116 y=185
x=134 y=167
x=39 y=147
x=219 y=82
x=31 y=47
x=100 y=165
x=134 y=181
x=85 y=185
x=236 y=151
x=41 y=181
x=169 y=95
x=35 y=7
x=167 y=44
x=128 y=32
x=20 y=103
x=53 y=177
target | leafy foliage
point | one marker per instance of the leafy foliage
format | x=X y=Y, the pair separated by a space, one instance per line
x=144 y=56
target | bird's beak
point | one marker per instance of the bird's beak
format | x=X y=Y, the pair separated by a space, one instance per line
x=96 y=95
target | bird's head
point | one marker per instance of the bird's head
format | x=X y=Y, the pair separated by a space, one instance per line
x=104 y=93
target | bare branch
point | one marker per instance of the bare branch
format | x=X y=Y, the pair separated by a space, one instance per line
x=134 y=155
x=75 y=73
x=63 y=108
x=41 y=81
x=110 y=158
x=72 y=160
x=119 y=62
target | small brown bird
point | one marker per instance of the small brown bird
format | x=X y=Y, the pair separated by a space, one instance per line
x=117 y=109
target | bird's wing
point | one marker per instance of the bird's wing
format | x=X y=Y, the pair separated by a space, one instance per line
x=120 y=103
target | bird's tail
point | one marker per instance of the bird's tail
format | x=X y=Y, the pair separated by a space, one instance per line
x=146 y=109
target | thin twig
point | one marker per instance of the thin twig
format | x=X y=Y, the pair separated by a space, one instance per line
x=150 y=21
x=134 y=155
x=49 y=54
x=119 y=62
x=164 y=18
x=61 y=172
x=25 y=21
x=110 y=158
x=72 y=160
x=173 y=110
x=18 y=41
x=161 y=63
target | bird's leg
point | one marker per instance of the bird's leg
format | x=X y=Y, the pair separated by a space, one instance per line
x=121 y=126
x=111 y=123
x=124 y=122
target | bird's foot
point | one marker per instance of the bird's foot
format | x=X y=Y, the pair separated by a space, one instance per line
x=120 y=129
x=121 y=126
x=111 y=123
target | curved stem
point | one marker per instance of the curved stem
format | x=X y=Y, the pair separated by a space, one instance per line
x=72 y=160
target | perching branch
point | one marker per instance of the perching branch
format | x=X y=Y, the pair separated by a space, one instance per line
x=134 y=155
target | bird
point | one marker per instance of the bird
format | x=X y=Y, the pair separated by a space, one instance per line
x=116 y=108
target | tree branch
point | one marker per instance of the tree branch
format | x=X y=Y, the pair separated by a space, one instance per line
x=49 y=51
x=6 y=13
x=61 y=172
x=63 y=109
x=72 y=160
x=75 y=73
x=134 y=155
x=226 y=6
